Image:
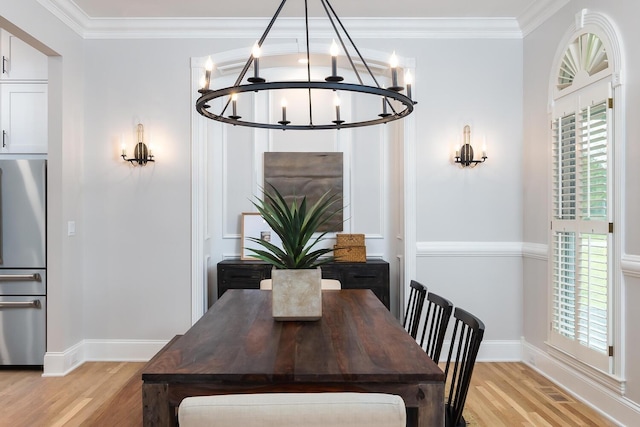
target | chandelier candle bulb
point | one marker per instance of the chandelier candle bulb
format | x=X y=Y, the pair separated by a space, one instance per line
x=208 y=67
x=408 y=80
x=394 y=70
x=255 y=53
x=234 y=99
x=284 y=110
x=385 y=112
x=334 y=58
x=334 y=51
x=337 y=104
x=393 y=63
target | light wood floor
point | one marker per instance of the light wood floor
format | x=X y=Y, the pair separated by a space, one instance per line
x=109 y=394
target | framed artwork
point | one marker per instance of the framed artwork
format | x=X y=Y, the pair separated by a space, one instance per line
x=253 y=225
x=307 y=174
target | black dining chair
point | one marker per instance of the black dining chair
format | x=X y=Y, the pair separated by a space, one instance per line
x=468 y=332
x=436 y=320
x=414 y=307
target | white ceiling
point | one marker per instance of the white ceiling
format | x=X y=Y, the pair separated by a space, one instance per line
x=266 y=8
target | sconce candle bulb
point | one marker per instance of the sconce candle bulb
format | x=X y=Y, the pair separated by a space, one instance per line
x=464 y=156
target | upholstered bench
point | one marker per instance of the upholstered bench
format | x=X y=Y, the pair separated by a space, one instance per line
x=293 y=409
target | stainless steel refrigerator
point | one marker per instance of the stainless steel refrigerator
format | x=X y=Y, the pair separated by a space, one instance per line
x=23 y=262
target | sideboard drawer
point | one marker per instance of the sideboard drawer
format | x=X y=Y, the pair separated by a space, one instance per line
x=241 y=276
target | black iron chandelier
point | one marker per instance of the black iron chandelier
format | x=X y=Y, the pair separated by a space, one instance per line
x=394 y=103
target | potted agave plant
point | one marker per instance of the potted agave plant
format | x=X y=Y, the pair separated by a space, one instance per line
x=296 y=275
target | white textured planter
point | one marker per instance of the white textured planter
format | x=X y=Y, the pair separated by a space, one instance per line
x=296 y=294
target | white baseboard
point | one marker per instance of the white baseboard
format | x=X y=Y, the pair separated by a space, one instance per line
x=61 y=363
x=58 y=364
x=492 y=351
x=600 y=398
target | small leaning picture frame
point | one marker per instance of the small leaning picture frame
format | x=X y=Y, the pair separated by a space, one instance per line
x=253 y=225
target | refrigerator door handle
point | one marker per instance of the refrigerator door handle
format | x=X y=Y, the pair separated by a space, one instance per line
x=12 y=277
x=19 y=304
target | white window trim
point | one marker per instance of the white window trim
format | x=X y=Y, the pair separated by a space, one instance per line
x=597 y=23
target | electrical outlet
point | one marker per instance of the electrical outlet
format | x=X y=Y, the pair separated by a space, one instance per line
x=71 y=228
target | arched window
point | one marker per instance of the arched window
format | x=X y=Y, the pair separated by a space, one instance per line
x=582 y=240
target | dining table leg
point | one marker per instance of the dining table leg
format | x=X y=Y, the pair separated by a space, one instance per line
x=430 y=411
x=156 y=410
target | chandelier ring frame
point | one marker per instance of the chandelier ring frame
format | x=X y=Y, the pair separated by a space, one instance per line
x=202 y=104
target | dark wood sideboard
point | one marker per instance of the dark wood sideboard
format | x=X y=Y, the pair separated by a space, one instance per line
x=372 y=274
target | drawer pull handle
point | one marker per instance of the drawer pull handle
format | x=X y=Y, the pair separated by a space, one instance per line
x=20 y=304
x=12 y=277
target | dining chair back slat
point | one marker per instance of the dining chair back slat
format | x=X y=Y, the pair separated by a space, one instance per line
x=468 y=332
x=415 y=303
x=435 y=325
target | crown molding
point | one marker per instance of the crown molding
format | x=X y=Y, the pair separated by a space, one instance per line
x=361 y=28
x=537 y=13
x=68 y=12
x=189 y=28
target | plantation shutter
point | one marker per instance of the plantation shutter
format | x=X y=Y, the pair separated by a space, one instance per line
x=580 y=228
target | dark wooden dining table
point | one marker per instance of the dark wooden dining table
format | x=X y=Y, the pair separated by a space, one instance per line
x=237 y=347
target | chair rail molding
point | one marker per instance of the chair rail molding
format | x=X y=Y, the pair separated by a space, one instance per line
x=630 y=265
x=539 y=251
x=469 y=249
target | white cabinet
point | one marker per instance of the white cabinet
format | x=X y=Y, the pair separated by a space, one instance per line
x=21 y=61
x=23 y=96
x=23 y=117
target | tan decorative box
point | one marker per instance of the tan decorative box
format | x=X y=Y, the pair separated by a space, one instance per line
x=347 y=240
x=350 y=253
x=350 y=248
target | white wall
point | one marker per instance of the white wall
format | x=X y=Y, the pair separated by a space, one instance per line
x=66 y=127
x=457 y=82
x=469 y=221
x=137 y=228
x=125 y=277
x=539 y=52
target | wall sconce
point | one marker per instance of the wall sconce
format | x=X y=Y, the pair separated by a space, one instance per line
x=464 y=155
x=141 y=154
